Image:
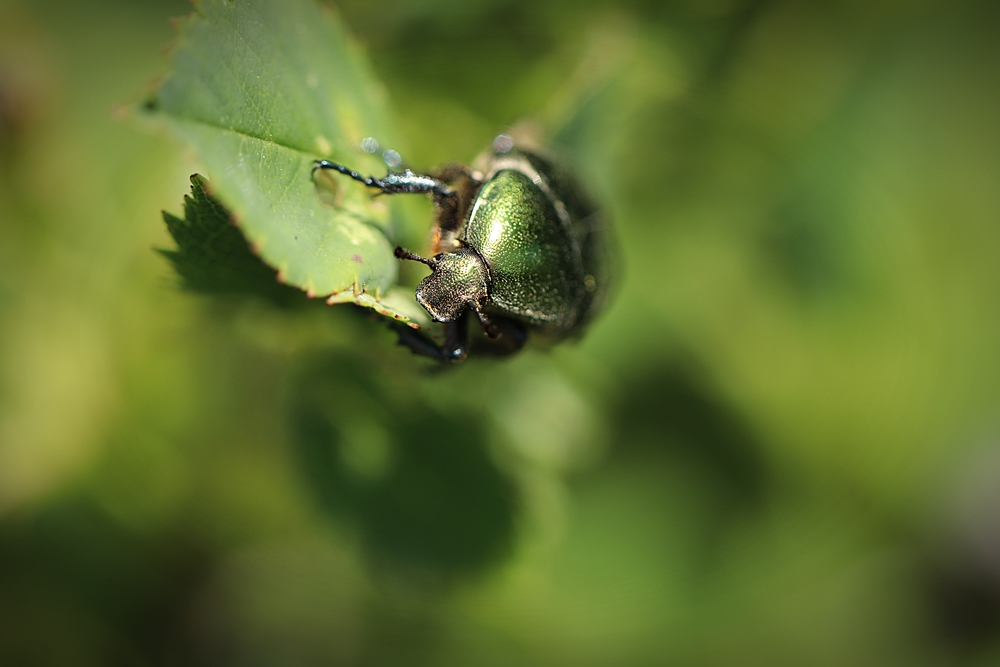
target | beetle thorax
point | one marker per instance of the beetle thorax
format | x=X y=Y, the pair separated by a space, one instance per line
x=458 y=279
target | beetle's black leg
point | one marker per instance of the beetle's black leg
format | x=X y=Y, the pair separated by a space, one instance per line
x=488 y=326
x=511 y=337
x=405 y=182
x=454 y=348
x=456 y=338
x=418 y=343
x=370 y=181
x=452 y=203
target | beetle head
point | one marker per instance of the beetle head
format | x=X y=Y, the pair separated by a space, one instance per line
x=458 y=279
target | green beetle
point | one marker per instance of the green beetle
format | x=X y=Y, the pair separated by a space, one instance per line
x=516 y=244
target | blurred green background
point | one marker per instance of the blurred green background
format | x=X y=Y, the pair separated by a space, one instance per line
x=780 y=446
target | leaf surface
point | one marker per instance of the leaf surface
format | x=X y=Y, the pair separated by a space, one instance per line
x=260 y=89
x=213 y=257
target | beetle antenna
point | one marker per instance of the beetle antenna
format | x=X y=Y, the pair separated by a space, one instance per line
x=370 y=181
x=403 y=253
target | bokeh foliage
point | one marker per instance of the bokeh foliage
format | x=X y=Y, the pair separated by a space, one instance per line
x=779 y=446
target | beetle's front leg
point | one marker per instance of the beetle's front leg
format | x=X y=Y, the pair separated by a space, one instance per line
x=405 y=182
x=456 y=338
x=454 y=348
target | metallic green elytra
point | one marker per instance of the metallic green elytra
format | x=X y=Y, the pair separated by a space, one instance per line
x=516 y=244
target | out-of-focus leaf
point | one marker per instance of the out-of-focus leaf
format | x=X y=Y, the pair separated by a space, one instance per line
x=260 y=89
x=373 y=453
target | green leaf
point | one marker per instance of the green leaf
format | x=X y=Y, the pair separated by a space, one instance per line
x=213 y=257
x=260 y=89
